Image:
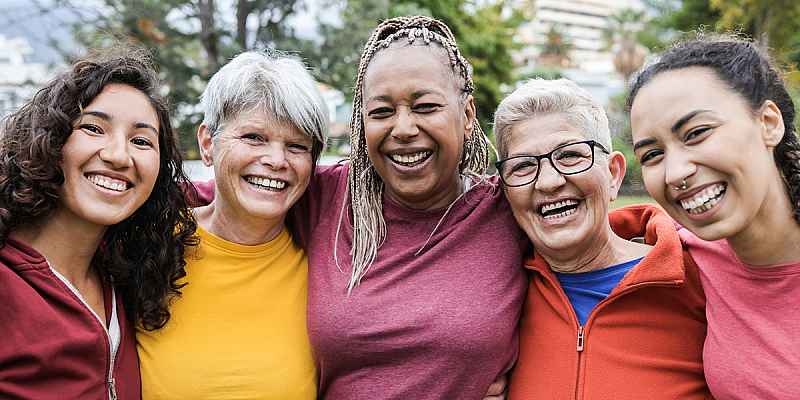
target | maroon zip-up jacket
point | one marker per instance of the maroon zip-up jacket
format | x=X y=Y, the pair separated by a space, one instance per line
x=51 y=345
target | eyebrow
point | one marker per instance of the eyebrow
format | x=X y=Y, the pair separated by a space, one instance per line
x=414 y=95
x=674 y=129
x=686 y=118
x=106 y=117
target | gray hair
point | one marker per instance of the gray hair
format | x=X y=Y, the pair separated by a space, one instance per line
x=539 y=97
x=273 y=82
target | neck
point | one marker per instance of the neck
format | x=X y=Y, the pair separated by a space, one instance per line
x=440 y=200
x=68 y=244
x=241 y=229
x=764 y=241
x=606 y=249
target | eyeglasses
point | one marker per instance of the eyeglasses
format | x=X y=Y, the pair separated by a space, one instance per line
x=567 y=159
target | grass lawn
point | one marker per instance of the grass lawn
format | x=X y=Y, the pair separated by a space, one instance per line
x=622 y=201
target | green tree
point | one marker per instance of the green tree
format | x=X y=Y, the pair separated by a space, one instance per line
x=485 y=33
x=190 y=40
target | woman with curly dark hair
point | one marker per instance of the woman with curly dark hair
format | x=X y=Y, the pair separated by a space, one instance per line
x=93 y=226
x=713 y=127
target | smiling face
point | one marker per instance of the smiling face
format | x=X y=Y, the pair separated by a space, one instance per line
x=564 y=216
x=710 y=137
x=415 y=124
x=111 y=159
x=262 y=166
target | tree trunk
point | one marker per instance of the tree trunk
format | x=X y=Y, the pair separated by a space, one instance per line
x=208 y=33
x=243 y=10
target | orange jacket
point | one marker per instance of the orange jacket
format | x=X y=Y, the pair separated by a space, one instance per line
x=645 y=341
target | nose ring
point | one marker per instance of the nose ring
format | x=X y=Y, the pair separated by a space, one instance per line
x=682 y=187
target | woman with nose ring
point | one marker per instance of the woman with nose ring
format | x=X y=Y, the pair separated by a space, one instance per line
x=614 y=306
x=723 y=159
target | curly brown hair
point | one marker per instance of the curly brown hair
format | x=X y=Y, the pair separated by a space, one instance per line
x=141 y=256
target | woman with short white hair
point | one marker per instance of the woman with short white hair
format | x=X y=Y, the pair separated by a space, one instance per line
x=239 y=329
x=614 y=306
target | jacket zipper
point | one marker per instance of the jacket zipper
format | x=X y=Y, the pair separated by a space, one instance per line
x=581 y=335
x=112 y=392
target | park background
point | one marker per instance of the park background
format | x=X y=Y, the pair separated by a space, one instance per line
x=600 y=44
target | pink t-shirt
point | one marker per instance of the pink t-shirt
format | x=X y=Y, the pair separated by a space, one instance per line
x=438 y=325
x=752 y=350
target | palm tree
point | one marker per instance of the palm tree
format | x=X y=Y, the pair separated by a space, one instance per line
x=621 y=38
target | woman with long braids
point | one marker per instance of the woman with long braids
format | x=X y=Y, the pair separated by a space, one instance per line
x=426 y=305
x=93 y=224
x=713 y=127
x=415 y=280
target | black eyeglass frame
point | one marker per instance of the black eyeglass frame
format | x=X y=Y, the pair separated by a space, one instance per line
x=499 y=164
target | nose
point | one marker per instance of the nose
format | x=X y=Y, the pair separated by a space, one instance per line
x=115 y=151
x=405 y=127
x=274 y=156
x=549 y=179
x=678 y=166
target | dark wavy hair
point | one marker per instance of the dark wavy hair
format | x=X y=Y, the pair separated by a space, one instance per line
x=748 y=70
x=142 y=256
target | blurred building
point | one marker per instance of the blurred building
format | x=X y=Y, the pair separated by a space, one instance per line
x=19 y=79
x=581 y=25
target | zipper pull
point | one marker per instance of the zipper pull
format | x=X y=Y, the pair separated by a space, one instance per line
x=111 y=389
x=580 y=339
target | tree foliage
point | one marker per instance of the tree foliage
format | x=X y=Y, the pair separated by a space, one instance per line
x=485 y=33
x=190 y=40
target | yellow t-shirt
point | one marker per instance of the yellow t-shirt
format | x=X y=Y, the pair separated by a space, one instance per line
x=239 y=329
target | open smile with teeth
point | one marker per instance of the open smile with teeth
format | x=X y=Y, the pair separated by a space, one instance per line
x=705 y=199
x=266 y=183
x=559 y=209
x=412 y=159
x=108 y=183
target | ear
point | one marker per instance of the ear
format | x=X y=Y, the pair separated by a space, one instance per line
x=616 y=166
x=469 y=116
x=772 y=121
x=206 y=144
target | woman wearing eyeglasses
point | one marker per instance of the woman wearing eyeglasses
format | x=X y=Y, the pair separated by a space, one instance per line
x=614 y=306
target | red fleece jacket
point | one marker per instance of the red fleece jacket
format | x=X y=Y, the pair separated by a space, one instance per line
x=51 y=345
x=645 y=341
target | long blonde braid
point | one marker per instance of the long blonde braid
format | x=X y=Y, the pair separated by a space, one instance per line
x=365 y=187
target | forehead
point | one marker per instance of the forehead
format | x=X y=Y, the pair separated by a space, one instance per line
x=124 y=103
x=260 y=121
x=672 y=94
x=402 y=68
x=542 y=133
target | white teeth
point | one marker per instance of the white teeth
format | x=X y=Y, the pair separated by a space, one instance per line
x=562 y=214
x=108 y=183
x=267 y=182
x=704 y=200
x=558 y=204
x=409 y=158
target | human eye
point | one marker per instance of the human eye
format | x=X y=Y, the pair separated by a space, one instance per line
x=143 y=142
x=380 y=112
x=696 y=134
x=91 y=129
x=426 y=108
x=252 y=138
x=651 y=156
x=298 y=148
x=522 y=167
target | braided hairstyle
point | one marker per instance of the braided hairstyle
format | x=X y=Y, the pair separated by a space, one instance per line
x=365 y=186
x=749 y=71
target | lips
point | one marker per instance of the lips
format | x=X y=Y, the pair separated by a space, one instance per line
x=266 y=183
x=107 y=182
